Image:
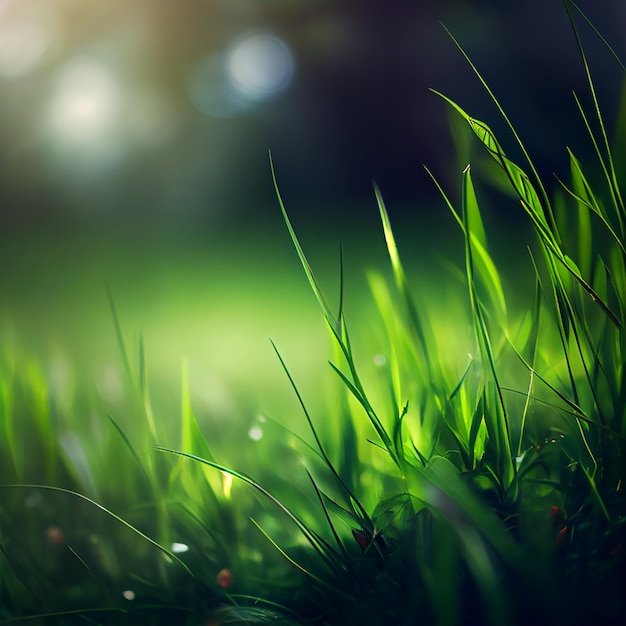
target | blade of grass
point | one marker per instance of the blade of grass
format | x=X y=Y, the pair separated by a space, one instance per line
x=318 y=543
x=544 y=203
x=108 y=512
x=121 y=344
x=318 y=441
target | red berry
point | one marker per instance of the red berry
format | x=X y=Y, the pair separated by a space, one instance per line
x=224 y=578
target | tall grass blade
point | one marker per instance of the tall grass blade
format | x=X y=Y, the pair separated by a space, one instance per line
x=544 y=203
x=332 y=320
x=121 y=344
x=318 y=441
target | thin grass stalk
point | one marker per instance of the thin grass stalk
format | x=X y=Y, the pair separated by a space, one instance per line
x=544 y=196
x=403 y=286
x=339 y=331
x=502 y=429
x=108 y=512
x=609 y=170
x=327 y=553
x=318 y=441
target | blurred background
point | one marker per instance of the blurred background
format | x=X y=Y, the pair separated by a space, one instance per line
x=134 y=141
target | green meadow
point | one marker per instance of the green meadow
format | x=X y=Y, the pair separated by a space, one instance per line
x=310 y=423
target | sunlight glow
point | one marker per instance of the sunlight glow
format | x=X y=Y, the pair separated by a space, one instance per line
x=227 y=484
x=86 y=103
x=25 y=37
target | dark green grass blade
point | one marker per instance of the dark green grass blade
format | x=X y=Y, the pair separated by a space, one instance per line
x=338 y=541
x=320 y=581
x=332 y=320
x=128 y=444
x=43 y=618
x=597 y=32
x=119 y=335
x=607 y=165
x=108 y=512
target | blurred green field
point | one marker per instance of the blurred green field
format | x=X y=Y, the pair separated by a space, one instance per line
x=213 y=300
x=239 y=425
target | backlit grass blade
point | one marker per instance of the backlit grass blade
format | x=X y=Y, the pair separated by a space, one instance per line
x=374 y=419
x=338 y=329
x=586 y=197
x=597 y=32
x=401 y=280
x=320 y=545
x=318 y=441
x=332 y=320
x=608 y=165
x=144 y=388
x=517 y=178
x=196 y=483
x=544 y=203
x=496 y=416
x=541 y=218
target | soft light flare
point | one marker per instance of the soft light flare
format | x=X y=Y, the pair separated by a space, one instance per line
x=260 y=66
x=25 y=36
x=86 y=103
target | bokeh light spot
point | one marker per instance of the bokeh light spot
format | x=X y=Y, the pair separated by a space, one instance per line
x=86 y=102
x=179 y=548
x=25 y=37
x=255 y=433
x=252 y=70
x=380 y=360
x=260 y=66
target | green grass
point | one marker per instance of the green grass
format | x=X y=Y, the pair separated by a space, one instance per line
x=467 y=468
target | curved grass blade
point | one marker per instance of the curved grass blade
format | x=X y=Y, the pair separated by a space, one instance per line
x=318 y=441
x=327 y=516
x=545 y=203
x=319 y=544
x=608 y=166
x=332 y=320
x=320 y=581
x=108 y=512
x=402 y=282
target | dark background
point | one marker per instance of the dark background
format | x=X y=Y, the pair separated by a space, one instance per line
x=112 y=172
x=357 y=109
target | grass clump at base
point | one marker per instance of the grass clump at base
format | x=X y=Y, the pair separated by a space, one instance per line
x=470 y=479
